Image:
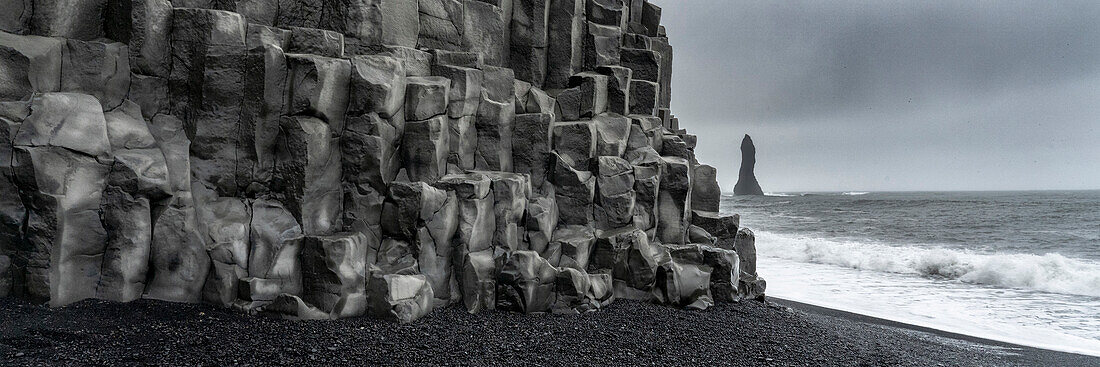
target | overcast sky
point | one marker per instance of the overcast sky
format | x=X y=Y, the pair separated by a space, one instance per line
x=892 y=95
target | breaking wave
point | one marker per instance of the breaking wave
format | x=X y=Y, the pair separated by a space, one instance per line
x=1051 y=273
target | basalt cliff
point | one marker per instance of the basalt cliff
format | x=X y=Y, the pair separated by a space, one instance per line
x=341 y=158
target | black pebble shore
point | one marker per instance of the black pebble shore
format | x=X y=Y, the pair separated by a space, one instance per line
x=627 y=333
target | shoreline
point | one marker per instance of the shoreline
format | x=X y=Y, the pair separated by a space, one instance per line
x=773 y=333
x=858 y=317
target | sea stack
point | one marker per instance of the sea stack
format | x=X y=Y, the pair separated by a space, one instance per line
x=746 y=179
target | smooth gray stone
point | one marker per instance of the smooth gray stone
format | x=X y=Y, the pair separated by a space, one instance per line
x=635 y=268
x=722 y=227
x=421 y=214
x=612 y=132
x=473 y=60
x=725 y=276
x=65 y=238
x=262 y=12
x=65 y=120
x=601 y=290
x=651 y=126
x=510 y=195
x=464 y=94
x=150 y=93
x=178 y=259
x=575 y=142
x=531 y=146
x=426 y=97
x=634 y=40
x=275 y=240
x=615 y=198
x=402 y=298
x=571 y=247
x=647 y=183
x=495 y=131
x=174 y=144
x=612 y=13
x=319 y=87
x=661 y=46
x=643 y=97
x=138 y=176
x=499 y=84
x=746 y=178
x=705 y=193
x=334 y=273
x=651 y=18
x=685 y=285
x=260 y=36
x=214 y=128
x=12 y=210
x=395 y=256
x=225 y=229
x=485 y=28
x=417 y=63
x=425 y=147
x=265 y=101
x=74 y=19
x=575 y=192
x=571 y=287
x=400 y=22
x=463 y=144
x=479 y=283
x=151 y=22
x=30 y=64
x=99 y=69
x=195 y=35
x=745 y=245
x=476 y=213
x=441 y=24
x=645 y=63
x=593 y=95
x=15 y=16
x=675 y=146
x=601 y=46
x=360 y=19
x=542 y=219
x=674 y=200
x=618 y=88
x=538 y=101
x=307 y=174
x=565 y=42
x=526 y=283
x=699 y=235
x=377 y=85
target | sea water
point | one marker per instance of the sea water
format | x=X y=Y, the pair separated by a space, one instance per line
x=1020 y=267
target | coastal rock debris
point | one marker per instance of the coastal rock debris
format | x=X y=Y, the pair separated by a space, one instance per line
x=341 y=159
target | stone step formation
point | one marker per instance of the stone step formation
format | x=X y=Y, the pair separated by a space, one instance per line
x=340 y=158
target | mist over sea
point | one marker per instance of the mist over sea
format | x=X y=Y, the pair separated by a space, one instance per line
x=1021 y=267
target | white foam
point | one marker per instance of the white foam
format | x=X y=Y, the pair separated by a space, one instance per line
x=1052 y=273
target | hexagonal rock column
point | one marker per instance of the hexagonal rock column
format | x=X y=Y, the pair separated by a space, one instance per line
x=422 y=219
x=403 y=298
x=273 y=266
x=575 y=192
x=751 y=285
x=55 y=165
x=674 y=200
x=334 y=273
x=526 y=283
x=308 y=174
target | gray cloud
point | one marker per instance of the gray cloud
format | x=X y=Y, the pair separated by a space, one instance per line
x=885 y=95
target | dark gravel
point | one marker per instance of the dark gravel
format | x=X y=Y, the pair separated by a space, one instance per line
x=631 y=333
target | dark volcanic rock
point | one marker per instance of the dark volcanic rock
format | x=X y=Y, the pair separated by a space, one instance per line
x=746 y=179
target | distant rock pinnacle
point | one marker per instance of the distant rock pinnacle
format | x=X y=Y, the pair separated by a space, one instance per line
x=746 y=179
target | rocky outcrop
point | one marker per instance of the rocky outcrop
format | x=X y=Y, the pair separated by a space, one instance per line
x=746 y=178
x=322 y=159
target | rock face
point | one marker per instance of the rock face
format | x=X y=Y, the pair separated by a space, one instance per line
x=746 y=179
x=340 y=158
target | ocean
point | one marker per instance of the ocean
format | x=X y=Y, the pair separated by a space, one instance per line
x=1019 y=267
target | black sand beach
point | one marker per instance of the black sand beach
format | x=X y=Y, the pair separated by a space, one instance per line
x=779 y=333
